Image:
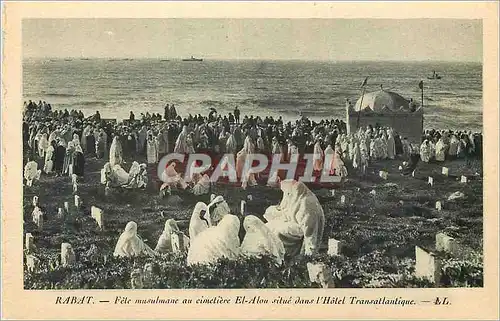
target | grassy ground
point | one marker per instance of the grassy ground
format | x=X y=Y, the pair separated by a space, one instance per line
x=391 y=222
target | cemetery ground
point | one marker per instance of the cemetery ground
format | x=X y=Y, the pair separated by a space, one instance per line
x=378 y=227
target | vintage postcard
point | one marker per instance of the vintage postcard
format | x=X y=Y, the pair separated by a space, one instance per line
x=250 y=160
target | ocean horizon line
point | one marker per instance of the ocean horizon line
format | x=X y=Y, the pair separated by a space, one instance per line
x=258 y=59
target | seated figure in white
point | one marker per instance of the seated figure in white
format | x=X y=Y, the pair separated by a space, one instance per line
x=171 y=178
x=260 y=240
x=129 y=244
x=216 y=242
x=205 y=216
x=31 y=172
x=164 y=244
x=298 y=220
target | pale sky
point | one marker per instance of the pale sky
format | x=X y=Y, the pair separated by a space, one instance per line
x=309 y=39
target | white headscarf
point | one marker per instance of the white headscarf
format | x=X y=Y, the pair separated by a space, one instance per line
x=259 y=240
x=164 y=244
x=129 y=244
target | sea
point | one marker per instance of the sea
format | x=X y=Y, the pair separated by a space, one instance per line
x=260 y=88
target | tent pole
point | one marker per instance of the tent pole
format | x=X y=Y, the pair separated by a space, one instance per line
x=360 y=107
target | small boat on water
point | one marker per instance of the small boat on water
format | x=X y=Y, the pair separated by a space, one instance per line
x=164 y=60
x=68 y=59
x=192 y=59
x=435 y=75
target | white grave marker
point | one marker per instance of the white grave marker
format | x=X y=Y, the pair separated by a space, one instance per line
x=413 y=174
x=250 y=197
x=60 y=213
x=78 y=201
x=66 y=207
x=32 y=262
x=35 y=201
x=439 y=206
x=243 y=207
x=319 y=273
x=334 y=247
x=332 y=192
x=67 y=255
x=342 y=199
x=383 y=174
x=428 y=266
x=178 y=242
x=29 y=242
x=463 y=179
x=97 y=214
x=446 y=243
x=430 y=181
x=445 y=171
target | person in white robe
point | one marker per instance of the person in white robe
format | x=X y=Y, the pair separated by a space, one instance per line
x=190 y=143
x=425 y=151
x=31 y=172
x=298 y=220
x=318 y=156
x=116 y=152
x=164 y=244
x=339 y=165
x=328 y=166
x=223 y=138
x=202 y=186
x=261 y=147
x=277 y=149
x=43 y=144
x=129 y=244
x=171 y=178
x=231 y=145
x=356 y=156
x=142 y=137
x=453 y=150
x=152 y=149
x=85 y=133
x=106 y=173
x=440 y=150
x=391 y=144
x=49 y=163
x=181 y=143
x=216 y=242
x=261 y=241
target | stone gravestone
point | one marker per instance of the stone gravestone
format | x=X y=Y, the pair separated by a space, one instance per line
x=342 y=199
x=445 y=171
x=439 y=206
x=446 y=244
x=97 y=214
x=413 y=174
x=428 y=266
x=463 y=179
x=67 y=255
x=334 y=247
x=38 y=220
x=319 y=273
x=332 y=192
x=243 y=207
x=32 y=262
x=60 y=213
x=78 y=201
x=66 y=208
x=178 y=241
x=250 y=197
x=136 y=279
x=29 y=242
x=430 y=181
x=148 y=275
x=383 y=174
x=35 y=201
